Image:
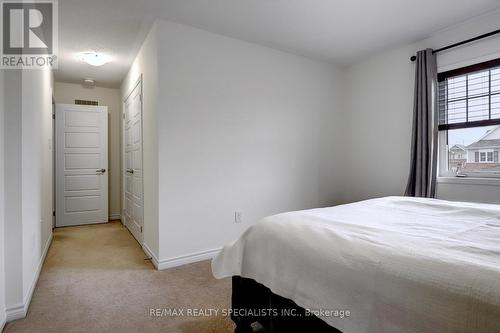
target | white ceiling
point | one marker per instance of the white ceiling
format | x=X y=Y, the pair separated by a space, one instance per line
x=338 y=31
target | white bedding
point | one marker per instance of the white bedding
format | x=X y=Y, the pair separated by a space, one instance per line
x=397 y=264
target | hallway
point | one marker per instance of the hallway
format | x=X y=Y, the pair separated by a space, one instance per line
x=95 y=279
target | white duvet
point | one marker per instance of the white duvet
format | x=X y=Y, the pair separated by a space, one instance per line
x=397 y=264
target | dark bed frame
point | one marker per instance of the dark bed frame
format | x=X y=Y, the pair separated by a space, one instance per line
x=253 y=302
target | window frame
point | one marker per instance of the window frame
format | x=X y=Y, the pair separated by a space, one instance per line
x=488 y=154
x=443 y=146
x=483 y=66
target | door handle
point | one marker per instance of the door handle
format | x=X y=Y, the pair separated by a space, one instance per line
x=130 y=170
x=101 y=171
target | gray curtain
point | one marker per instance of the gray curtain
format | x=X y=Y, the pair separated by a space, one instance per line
x=423 y=163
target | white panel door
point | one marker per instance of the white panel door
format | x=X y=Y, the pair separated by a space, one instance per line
x=133 y=201
x=81 y=164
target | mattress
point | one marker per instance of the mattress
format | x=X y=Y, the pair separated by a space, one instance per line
x=393 y=264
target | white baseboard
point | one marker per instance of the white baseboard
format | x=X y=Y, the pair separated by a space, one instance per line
x=181 y=260
x=114 y=217
x=2 y=324
x=19 y=311
x=187 y=259
x=150 y=254
x=16 y=312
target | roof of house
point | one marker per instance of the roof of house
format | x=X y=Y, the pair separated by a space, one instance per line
x=484 y=143
x=489 y=133
x=462 y=147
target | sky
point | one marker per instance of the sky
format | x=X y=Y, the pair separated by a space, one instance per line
x=467 y=136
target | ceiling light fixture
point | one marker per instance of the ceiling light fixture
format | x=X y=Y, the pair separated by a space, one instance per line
x=88 y=83
x=95 y=59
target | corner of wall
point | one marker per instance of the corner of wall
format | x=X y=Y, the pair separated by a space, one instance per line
x=145 y=66
x=380 y=103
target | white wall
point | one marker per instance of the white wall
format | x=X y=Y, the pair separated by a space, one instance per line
x=231 y=126
x=13 y=185
x=241 y=127
x=146 y=65
x=66 y=93
x=379 y=120
x=379 y=117
x=36 y=171
x=2 y=196
x=28 y=182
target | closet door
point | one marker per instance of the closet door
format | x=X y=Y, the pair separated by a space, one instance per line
x=133 y=200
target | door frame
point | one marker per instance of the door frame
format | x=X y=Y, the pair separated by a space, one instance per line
x=53 y=150
x=122 y=150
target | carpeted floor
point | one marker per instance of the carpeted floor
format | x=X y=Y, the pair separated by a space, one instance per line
x=95 y=279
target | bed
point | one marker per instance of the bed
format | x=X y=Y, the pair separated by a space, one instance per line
x=395 y=264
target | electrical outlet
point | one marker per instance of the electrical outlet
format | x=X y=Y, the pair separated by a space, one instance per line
x=237 y=217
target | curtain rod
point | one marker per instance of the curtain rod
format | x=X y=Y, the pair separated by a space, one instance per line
x=413 y=58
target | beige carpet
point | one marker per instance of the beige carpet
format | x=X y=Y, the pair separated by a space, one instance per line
x=95 y=279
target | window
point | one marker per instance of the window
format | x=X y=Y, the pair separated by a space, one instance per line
x=469 y=120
